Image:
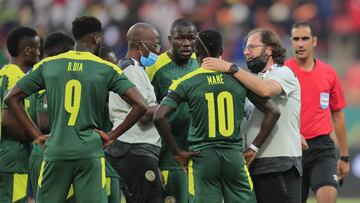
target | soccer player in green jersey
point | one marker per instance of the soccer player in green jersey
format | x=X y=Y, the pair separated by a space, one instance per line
x=54 y=44
x=170 y=66
x=76 y=84
x=23 y=45
x=216 y=166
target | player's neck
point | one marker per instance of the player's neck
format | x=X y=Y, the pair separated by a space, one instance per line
x=178 y=61
x=306 y=64
x=134 y=54
x=83 y=46
x=19 y=62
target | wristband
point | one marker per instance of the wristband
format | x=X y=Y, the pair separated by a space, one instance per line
x=254 y=148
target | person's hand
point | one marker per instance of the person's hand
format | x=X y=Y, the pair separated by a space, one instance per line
x=106 y=140
x=249 y=156
x=40 y=140
x=216 y=64
x=343 y=169
x=183 y=158
x=304 y=145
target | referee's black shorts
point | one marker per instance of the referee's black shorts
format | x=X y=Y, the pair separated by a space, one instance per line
x=319 y=165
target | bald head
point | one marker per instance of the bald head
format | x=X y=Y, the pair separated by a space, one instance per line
x=142 y=32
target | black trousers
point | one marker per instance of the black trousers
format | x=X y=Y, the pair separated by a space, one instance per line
x=279 y=187
x=140 y=178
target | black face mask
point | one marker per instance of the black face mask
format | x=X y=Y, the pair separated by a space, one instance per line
x=257 y=64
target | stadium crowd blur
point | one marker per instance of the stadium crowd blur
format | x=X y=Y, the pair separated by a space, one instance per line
x=337 y=23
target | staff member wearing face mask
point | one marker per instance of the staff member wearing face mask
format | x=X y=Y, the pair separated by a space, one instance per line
x=135 y=154
x=278 y=160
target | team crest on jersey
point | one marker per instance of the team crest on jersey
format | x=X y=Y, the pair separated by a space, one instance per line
x=324 y=100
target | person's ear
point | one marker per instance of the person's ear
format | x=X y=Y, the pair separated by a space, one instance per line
x=170 y=38
x=27 y=50
x=314 y=41
x=97 y=39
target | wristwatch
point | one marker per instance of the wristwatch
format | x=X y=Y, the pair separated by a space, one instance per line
x=345 y=159
x=233 y=69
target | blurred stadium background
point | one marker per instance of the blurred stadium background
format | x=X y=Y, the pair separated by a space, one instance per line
x=337 y=23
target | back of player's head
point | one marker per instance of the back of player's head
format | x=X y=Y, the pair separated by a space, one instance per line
x=209 y=43
x=57 y=43
x=19 y=38
x=300 y=24
x=85 y=25
x=183 y=22
x=272 y=40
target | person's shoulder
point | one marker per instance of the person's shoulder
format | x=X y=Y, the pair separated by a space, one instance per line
x=291 y=63
x=161 y=62
x=324 y=67
x=190 y=76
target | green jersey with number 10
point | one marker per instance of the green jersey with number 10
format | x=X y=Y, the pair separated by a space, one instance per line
x=216 y=102
x=77 y=84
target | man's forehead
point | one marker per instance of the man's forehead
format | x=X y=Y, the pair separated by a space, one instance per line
x=184 y=29
x=301 y=31
x=256 y=37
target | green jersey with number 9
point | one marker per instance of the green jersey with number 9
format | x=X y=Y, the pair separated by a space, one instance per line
x=216 y=102
x=77 y=84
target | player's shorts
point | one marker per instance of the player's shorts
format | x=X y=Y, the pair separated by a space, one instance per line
x=35 y=161
x=319 y=165
x=220 y=174
x=13 y=188
x=140 y=177
x=113 y=189
x=282 y=186
x=86 y=175
x=176 y=185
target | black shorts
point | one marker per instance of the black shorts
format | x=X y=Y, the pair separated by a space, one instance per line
x=319 y=165
x=279 y=187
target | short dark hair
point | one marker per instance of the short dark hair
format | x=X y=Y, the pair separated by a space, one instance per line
x=271 y=39
x=16 y=36
x=85 y=25
x=212 y=41
x=58 y=42
x=181 y=22
x=300 y=24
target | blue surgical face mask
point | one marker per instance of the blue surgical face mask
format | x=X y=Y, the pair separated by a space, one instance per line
x=149 y=60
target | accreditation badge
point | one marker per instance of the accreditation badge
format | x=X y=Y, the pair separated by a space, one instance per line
x=324 y=100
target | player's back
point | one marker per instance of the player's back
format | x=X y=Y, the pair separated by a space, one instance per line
x=77 y=84
x=216 y=102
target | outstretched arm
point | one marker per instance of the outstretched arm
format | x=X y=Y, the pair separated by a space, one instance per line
x=263 y=88
x=14 y=100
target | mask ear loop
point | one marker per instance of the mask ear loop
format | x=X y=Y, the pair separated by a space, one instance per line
x=203 y=45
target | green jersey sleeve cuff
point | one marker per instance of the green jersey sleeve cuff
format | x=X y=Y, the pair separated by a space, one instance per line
x=167 y=101
x=125 y=86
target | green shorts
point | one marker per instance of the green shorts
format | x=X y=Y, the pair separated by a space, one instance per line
x=176 y=186
x=87 y=176
x=220 y=174
x=13 y=188
x=113 y=189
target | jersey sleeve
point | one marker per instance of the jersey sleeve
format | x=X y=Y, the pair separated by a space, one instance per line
x=119 y=83
x=32 y=82
x=286 y=78
x=337 y=100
